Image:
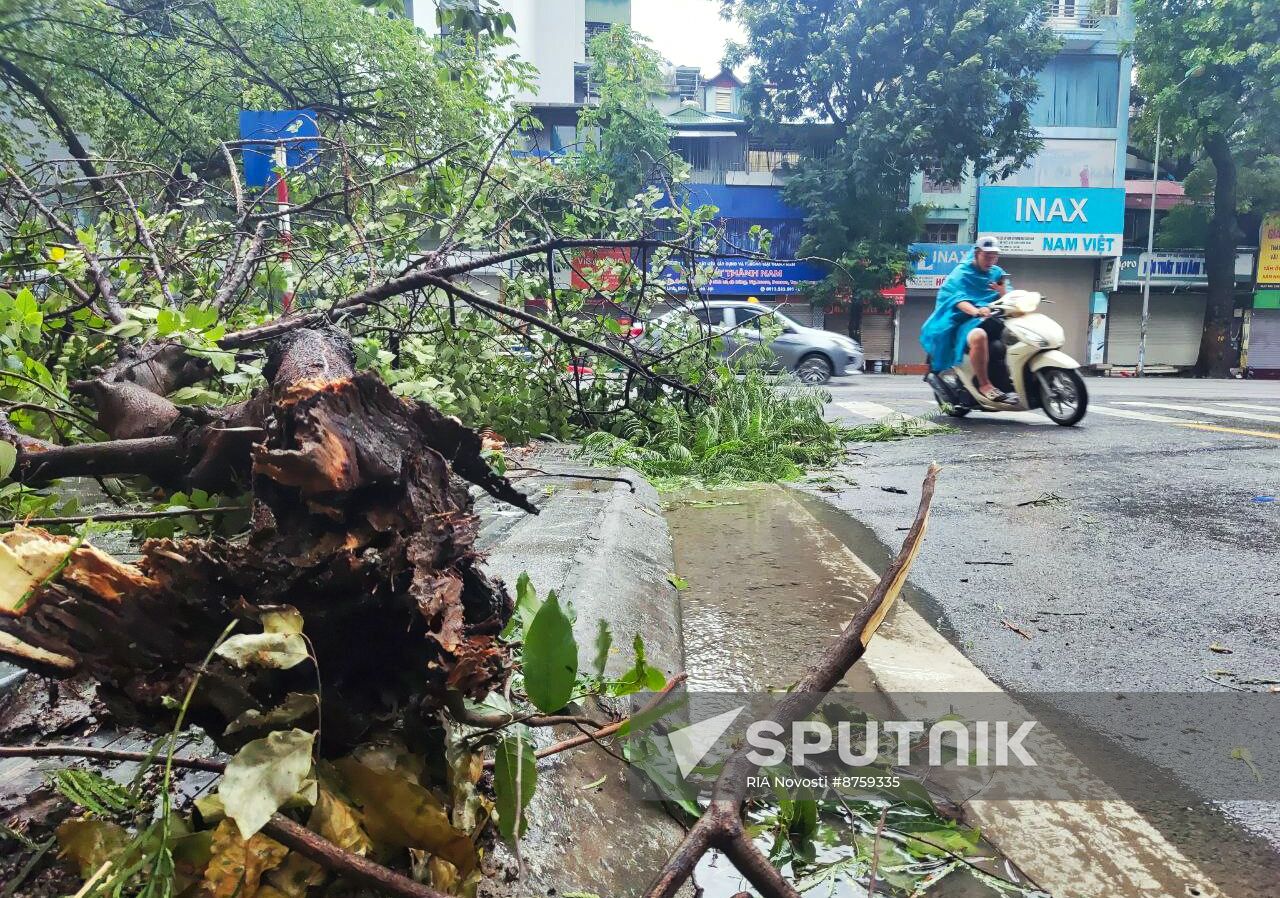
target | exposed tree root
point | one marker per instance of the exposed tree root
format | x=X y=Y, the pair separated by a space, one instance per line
x=357 y=524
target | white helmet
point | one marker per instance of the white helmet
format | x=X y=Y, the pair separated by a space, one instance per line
x=987 y=245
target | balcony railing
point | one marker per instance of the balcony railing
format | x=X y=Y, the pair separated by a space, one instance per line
x=1079 y=14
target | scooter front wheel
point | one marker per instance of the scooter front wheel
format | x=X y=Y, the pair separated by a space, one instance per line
x=1063 y=395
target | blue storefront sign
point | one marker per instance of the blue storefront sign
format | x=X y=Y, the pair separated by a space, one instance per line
x=1053 y=221
x=935 y=262
x=747 y=277
x=1179 y=268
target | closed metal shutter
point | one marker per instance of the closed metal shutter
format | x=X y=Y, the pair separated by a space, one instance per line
x=1174 y=327
x=1264 y=340
x=877 y=336
x=801 y=312
x=1069 y=284
x=911 y=318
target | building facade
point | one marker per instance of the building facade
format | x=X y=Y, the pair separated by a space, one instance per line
x=1061 y=217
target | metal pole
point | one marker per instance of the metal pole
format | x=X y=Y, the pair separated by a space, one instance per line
x=1151 y=245
x=286 y=228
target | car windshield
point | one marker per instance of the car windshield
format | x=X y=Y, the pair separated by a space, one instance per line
x=751 y=314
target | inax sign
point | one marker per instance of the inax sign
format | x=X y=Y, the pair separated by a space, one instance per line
x=1053 y=221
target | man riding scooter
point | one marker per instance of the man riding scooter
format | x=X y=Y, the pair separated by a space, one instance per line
x=961 y=322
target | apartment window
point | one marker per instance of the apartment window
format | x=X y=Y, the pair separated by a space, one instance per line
x=942 y=232
x=594 y=29
x=688 y=80
x=771 y=160
x=724 y=100
x=1088 y=10
x=1078 y=91
x=695 y=151
x=934 y=183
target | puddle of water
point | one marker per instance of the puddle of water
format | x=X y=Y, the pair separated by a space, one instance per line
x=768 y=586
x=760 y=594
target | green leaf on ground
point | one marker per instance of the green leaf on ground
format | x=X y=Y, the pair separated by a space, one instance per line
x=515 y=779
x=527 y=605
x=604 y=642
x=641 y=676
x=550 y=657
x=8 y=459
x=264 y=775
x=280 y=651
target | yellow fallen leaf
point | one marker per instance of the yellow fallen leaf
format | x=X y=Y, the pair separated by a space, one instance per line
x=90 y=843
x=340 y=823
x=402 y=813
x=236 y=866
x=292 y=878
x=57 y=253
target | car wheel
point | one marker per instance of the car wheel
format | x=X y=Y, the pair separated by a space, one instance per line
x=814 y=369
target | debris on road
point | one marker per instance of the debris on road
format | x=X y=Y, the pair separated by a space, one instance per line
x=1015 y=628
x=1220 y=649
x=1043 y=500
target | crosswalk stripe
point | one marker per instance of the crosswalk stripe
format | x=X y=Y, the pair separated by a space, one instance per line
x=1138 y=416
x=872 y=410
x=1206 y=410
x=877 y=412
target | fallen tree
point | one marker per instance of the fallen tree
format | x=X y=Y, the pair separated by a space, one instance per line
x=355 y=524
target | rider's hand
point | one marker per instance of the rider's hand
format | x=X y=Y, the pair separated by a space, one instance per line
x=998 y=287
x=984 y=312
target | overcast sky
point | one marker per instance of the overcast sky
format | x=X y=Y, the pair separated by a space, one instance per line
x=686 y=32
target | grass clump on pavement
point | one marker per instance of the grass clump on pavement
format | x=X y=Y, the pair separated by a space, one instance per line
x=757 y=428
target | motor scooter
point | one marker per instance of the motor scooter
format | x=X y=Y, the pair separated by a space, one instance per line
x=1026 y=362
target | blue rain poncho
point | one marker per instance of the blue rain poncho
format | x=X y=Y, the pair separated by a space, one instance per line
x=945 y=332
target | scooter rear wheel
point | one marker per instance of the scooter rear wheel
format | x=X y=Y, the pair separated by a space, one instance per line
x=1063 y=395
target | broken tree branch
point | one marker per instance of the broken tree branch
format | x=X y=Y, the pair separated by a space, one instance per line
x=720 y=826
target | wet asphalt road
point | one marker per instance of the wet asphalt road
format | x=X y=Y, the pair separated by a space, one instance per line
x=1129 y=548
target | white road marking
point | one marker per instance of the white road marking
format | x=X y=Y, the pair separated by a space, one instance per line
x=1096 y=847
x=1138 y=416
x=1206 y=410
x=1252 y=408
x=877 y=412
x=872 y=410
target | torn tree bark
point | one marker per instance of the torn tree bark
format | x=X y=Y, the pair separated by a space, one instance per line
x=357 y=523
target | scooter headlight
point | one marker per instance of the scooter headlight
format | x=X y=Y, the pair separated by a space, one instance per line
x=1024 y=301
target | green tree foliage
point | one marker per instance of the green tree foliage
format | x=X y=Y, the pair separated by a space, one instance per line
x=164 y=81
x=900 y=87
x=1211 y=72
x=626 y=137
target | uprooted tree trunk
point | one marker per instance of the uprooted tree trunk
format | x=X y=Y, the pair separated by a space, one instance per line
x=356 y=523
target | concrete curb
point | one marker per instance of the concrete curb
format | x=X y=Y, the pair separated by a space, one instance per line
x=607 y=550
